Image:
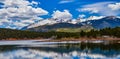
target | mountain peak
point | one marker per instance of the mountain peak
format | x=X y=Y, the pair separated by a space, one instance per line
x=111 y=17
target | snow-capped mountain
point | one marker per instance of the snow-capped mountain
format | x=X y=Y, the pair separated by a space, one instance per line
x=110 y=21
x=95 y=22
x=50 y=21
x=42 y=22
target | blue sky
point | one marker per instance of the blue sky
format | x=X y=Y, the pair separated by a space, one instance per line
x=20 y=13
x=70 y=5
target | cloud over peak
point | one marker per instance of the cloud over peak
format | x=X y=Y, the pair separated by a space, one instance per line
x=62 y=15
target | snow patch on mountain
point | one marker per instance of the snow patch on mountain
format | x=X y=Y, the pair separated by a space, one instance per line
x=66 y=20
x=95 y=17
x=42 y=22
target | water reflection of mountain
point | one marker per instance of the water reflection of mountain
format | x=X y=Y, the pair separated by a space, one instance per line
x=107 y=50
x=65 y=51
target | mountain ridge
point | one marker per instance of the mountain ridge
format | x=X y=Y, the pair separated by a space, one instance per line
x=109 y=21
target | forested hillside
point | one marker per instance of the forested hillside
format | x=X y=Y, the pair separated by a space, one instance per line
x=18 y=34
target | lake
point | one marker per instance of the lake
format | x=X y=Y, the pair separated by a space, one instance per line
x=61 y=51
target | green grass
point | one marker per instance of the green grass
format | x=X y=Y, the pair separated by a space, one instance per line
x=72 y=30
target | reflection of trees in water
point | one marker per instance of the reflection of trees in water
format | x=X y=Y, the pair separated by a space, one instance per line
x=107 y=50
x=5 y=48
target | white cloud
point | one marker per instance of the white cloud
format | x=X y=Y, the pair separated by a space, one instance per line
x=65 y=15
x=27 y=21
x=115 y=6
x=95 y=17
x=92 y=10
x=83 y=19
x=57 y=17
x=20 y=10
x=99 y=8
x=15 y=3
x=66 y=1
x=81 y=16
x=36 y=3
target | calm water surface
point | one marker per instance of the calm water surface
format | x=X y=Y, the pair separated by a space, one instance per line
x=62 y=51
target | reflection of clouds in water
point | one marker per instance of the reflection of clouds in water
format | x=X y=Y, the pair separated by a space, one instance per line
x=37 y=54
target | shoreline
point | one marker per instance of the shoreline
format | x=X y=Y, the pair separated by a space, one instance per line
x=49 y=42
x=87 y=40
x=66 y=39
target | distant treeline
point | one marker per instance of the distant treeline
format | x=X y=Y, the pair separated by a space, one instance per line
x=19 y=34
